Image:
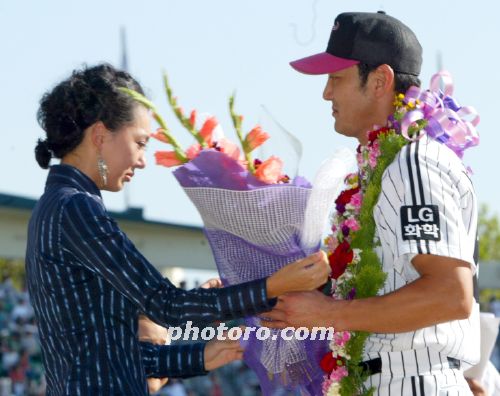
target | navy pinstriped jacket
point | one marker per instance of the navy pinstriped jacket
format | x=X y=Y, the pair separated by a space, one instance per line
x=87 y=283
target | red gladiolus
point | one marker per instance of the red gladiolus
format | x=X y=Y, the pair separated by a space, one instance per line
x=340 y=259
x=193 y=151
x=160 y=135
x=207 y=129
x=255 y=138
x=270 y=170
x=229 y=148
x=167 y=158
x=329 y=362
x=192 y=118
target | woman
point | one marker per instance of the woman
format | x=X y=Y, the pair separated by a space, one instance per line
x=86 y=280
x=217 y=352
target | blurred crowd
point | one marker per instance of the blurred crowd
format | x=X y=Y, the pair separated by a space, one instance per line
x=21 y=371
x=233 y=379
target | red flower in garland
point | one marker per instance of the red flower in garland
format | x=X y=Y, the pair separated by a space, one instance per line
x=340 y=259
x=373 y=135
x=330 y=362
x=345 y=196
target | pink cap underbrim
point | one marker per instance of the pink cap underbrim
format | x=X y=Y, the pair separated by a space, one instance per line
x=322 y=63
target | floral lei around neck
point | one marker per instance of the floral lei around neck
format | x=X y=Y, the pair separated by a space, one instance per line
x=356 y=269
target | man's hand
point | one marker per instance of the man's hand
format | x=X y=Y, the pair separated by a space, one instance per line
x=476 y=388
x=418 y=304
x=301 y=309
x=302 y=275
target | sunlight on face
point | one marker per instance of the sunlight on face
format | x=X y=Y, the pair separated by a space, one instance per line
x=124 y=149
x=352 y=106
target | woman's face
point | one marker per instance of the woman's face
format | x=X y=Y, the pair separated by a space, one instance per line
x=123 y=150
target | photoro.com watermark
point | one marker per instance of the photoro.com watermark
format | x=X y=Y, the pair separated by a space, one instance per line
x=222 y=332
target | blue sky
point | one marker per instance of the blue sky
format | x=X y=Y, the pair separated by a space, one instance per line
x=210 y=49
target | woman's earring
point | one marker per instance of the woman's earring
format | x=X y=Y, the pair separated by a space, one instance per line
x=103 y=171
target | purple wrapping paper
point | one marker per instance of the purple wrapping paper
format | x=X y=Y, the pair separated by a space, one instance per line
x=253 y=229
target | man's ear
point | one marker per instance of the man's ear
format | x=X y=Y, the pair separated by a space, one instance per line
x=98 y=134
x=383 y=81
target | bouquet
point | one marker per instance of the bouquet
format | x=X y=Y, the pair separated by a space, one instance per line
x=256 y=219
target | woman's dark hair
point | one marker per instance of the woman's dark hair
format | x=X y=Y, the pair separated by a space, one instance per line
x=402 y=81
x=87 y=96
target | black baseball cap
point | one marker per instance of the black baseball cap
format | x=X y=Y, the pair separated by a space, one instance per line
x=366 y=37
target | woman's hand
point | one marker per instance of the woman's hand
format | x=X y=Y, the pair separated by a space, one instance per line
x=302 y=275
x=221 y=352
x=212 y=283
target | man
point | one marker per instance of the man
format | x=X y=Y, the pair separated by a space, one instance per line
x=424 y=322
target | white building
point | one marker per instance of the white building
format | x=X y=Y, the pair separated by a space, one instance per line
x=180 y=252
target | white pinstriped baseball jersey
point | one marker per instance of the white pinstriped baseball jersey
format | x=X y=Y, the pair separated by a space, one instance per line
x=427 y=206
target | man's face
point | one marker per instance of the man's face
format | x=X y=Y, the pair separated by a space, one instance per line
x=352 y=105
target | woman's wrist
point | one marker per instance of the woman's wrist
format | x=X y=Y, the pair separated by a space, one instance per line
x=273 y=288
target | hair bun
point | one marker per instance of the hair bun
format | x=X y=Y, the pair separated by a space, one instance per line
x=43 y=153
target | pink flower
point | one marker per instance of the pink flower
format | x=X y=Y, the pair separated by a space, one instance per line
x=339 y=373
x=229 y=148
x=167 y=158
x=193 y=151
x=374 y=154
x=207 y=129
x=255 y=138
x=341 y=338
x=270 y=171
x=160 y=135
x=332 y=243
x=352 y=224
x=356 y=200
x=325 y=386
x=359 y=158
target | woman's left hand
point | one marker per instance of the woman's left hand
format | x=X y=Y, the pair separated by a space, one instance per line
x=213 y=283
x=221 y=352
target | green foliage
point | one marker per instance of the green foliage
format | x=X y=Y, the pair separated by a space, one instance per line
x=350 y=384
x=489 y=235
x=13 y=269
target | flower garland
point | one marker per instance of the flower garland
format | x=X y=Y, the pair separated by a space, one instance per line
x=356 y=269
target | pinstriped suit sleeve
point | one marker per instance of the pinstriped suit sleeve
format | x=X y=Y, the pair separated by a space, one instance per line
x=95 y=241
x=182 y=361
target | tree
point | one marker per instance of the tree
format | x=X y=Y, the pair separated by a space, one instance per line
x=489 y=235
x=13 y=269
